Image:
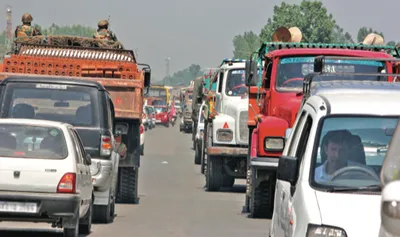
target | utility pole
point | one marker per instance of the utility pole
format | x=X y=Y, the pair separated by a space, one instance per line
x=167 y=60
x=9 y=36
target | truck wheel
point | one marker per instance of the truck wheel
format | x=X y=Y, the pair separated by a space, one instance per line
x=197 y=155
x=214 y=178
x=128 y=185
x=167 y=125
x=260 y=200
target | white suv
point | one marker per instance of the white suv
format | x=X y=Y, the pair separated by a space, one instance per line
x=45 y=175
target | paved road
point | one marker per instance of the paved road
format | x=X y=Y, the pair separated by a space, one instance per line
x=173 y=202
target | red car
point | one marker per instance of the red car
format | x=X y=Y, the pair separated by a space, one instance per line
x=162 y=115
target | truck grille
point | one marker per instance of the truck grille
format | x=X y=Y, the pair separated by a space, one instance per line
x=243 y=129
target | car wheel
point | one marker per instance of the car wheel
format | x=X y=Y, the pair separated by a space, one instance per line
x=85 y=225
x=104 y=213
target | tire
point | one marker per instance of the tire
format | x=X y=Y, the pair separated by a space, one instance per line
x=261 y=200
x=85 y=225
x=167 y=125
x=128 y=192
x=73 y=232
x=197 y=154
x=142 y=150
x=214 y=176
x=104 y=214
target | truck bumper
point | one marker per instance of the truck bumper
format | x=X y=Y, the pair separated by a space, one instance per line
x=227 y=151
x=265 y=163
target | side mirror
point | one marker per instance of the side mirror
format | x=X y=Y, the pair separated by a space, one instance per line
x=88 y=159
x=147 y=77
x=287 y=169
x=390 y=208
x=251 y=73
x=288 y=132
x=121 y=129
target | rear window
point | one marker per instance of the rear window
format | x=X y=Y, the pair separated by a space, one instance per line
x=76 y=105
x=161 y=110
x=28 y=141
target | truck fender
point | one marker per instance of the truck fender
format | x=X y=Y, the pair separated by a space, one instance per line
x=254 y=143
x=270 y=127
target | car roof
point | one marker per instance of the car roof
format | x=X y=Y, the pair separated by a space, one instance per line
x=350 y=97
x=21 y=78
x=36 y=122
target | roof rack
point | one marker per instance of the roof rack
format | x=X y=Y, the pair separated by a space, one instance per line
x=308 y=79
x=267 y=47
x=319 y=61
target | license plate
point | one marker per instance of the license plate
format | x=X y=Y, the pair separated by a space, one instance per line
x=20 y=207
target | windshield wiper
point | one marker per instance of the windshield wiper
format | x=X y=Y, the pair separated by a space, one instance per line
x=375 y=187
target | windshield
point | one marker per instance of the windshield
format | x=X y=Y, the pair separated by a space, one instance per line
x=351 y=150
x=292 y=70
x=160 y=110
x=69 y=104
x=156 y=92
x=236 y=83
x=159 y=102
x=28 y=141
x=391 y=166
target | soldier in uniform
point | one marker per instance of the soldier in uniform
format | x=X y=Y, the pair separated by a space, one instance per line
x=26 y=29
x=103 y=32
x=196 y=103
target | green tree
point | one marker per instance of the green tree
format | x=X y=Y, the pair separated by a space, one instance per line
x=364 y=31
x=184 y=76
x=311 y=17
x=245 y=44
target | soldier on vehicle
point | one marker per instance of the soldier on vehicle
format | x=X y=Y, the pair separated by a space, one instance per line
x=26 y=29
x=103 y=32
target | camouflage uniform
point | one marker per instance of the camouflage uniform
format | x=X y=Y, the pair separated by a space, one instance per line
x=26 y=29
x=103 y=32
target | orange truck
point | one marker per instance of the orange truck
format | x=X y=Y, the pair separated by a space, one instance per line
x=96 y=61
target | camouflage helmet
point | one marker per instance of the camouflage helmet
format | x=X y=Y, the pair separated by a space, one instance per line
x=27 y=18
x=102 y=23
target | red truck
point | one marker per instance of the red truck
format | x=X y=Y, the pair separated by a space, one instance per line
x=275 y=79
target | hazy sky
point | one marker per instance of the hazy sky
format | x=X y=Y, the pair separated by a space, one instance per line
x=190 y=31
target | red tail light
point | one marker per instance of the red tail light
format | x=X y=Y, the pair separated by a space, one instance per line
x=141 y=129
x=106 y=146
x=67 y=183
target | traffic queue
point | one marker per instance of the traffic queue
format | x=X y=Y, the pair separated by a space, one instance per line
x=310 y=128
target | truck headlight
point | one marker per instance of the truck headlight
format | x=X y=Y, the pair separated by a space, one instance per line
x=274 y=144
x=325 y=231
x=224 y=135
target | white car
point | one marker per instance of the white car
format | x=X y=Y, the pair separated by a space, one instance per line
x=199 y=136
x=142 y=132
x=45 y=175
x=328 y=175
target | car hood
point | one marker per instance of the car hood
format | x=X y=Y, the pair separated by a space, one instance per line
x=357 y=213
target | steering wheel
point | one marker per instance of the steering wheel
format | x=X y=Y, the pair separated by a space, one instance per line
x=291 y=80
x=360 y=169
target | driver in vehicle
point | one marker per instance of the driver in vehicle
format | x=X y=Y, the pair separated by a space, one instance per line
x=236 y=82
x=339 y=149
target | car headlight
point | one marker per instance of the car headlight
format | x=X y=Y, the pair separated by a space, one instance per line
x=225 y=135
x=274 y=144
x=325 y=231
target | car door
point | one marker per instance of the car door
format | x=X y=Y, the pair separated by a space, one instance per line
x=280 y=224
x=83 y=172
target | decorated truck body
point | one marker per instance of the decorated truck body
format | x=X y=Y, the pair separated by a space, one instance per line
x=275 y=83
x=227 y=141
x=118 y=71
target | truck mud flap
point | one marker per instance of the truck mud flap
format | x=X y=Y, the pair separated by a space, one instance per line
x=265 y=163
x=227 y=151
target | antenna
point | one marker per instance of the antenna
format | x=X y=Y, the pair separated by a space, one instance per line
x=9 y=35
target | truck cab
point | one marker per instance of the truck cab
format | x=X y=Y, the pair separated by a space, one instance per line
x=276 y=95
x=328 y=175
x=227 y=132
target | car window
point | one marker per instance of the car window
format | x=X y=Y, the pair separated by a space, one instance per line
x=69 y=104
x=80 y=147
x=78 y=152
x=29 y=141
x=351 y=141
x=236 y=83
